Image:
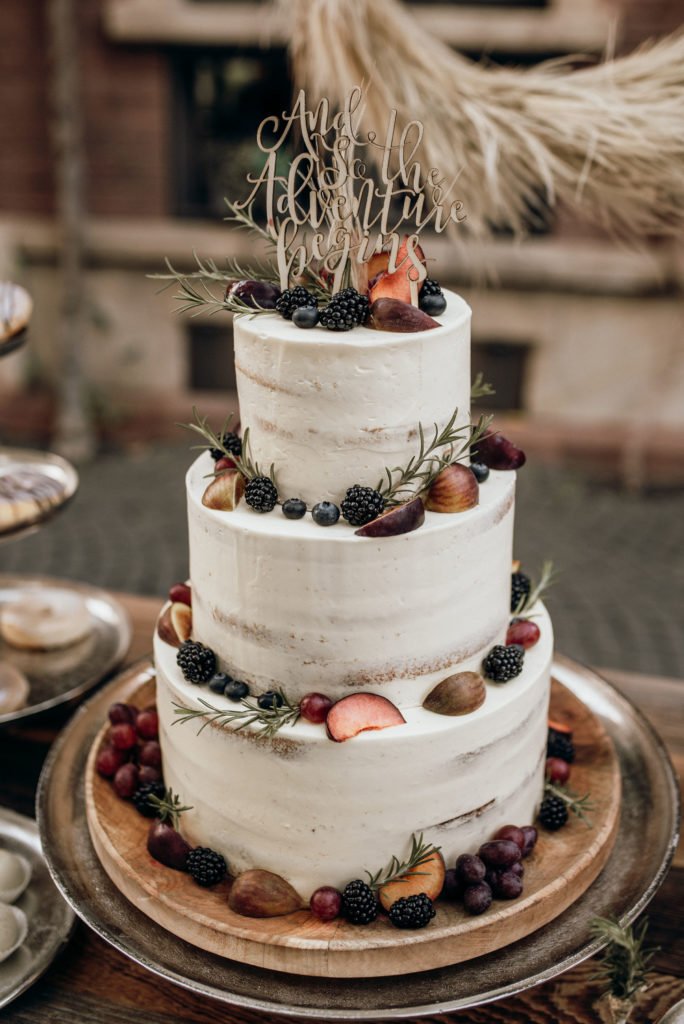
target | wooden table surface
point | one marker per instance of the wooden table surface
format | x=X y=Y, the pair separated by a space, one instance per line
x=91 y=983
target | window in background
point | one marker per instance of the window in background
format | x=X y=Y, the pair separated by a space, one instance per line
x=504 y=365
x=211 y=364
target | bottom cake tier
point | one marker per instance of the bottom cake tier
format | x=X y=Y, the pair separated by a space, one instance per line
x=319 y=812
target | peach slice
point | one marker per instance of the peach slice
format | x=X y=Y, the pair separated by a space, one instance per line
x=455 y=489
x=401 y=519
x=224 y=491
x=560 y=727
x=396 y=285
x=361 y=712
x=174 y=625
x=428 y=877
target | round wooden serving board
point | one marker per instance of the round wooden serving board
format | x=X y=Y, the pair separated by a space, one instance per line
x=562 y=867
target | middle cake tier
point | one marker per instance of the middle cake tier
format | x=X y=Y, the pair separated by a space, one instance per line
x=296 y=606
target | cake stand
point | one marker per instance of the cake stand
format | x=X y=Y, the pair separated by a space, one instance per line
x=639 y=861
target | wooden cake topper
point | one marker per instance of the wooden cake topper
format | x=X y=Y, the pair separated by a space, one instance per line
x=327 y=211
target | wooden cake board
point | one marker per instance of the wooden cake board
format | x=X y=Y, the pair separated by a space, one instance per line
x=561 y=868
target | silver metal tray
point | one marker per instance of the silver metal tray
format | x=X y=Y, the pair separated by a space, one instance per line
x=58 y=676
x=50 y=919
x=60 y=472
x=637 y=866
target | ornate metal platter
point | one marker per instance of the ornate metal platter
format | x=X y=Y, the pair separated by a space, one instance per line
x=34 y=486
x=64 y=674
x=637 y=866
x=50 y=919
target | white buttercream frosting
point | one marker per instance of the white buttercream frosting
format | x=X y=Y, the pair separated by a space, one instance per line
x=306 y=607
x=331 y=410
x=320 y=813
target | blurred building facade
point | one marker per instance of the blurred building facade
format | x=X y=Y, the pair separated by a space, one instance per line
x=576 y=332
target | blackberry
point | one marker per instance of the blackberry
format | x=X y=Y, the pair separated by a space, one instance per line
x=520 y=589
x=196 y=662
x=359 y=904
x=294 y=298
x=206 y=866
x=143 y=804
x=361 y=505
x=231 y=442
x=553 y=813
x=346 y=309
x=430 y=287
x=503 y=663
x=559 y=745
x=412 y=911
x=261 y=494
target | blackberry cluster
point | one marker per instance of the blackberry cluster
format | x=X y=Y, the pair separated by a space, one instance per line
x=361 y=505
x=520 y=589
x=503 y=663
x=231 y=442
x=141 y=798
x=359 y=904
x=560 y=745
x=294 y=298
x=430 y=287
x=412 y=911
x=206 y=866
x=261 y=494
x=553 y=813
x=346 y=310
x=196 y=662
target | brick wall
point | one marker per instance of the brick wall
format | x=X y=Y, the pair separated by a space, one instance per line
x=126 y=107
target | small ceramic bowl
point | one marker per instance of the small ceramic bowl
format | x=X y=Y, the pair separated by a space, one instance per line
x=15 y=875
x=13 y=925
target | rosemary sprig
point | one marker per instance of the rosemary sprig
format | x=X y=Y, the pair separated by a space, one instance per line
x=195 y=295
x=245 y=462
x=480 y=388
x=168 y=807
x=625 y=961
x=269 y=720
x=579 y=805
x=546 y=580
x=396 y=869
x=431 y=458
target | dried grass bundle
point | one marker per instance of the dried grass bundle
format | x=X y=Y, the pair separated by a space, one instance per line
x=606 y=141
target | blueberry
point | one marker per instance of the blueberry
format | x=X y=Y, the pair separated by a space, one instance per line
x=294 y=508
x=480 y=471
x=218 y=682
x=433 y=305
x=325 y=513
x=270 y=699
x=305 y=316
x=235 y=690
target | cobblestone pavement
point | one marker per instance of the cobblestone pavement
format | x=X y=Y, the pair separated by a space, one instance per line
x=618 y=600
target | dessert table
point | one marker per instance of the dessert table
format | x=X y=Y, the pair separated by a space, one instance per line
x=92 y=983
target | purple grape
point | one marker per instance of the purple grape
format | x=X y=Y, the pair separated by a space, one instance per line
x=254 y=293
x=148 y=773
x=508 y=886
x=530 y=833
x=518 y=868
x=122 y=714
x=477 y=898
x=453 y=886
x=513 y=833
x=470 y=869
x=499 y=853
x=326 y=903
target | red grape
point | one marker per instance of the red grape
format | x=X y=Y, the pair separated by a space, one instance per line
x=453 y=886
x=513 y=833
x=315 y=707
x=126 y=780
x=530 y=833
x=180 y=592
x=122 y=714
x=477 y=898
x=470 y=869
x=109 y=759
x=325 y=903
x=499 y=853
x=518 y=868
x=523 y=632
x=507 y=885
x=557 y=770
x=149 y=774
x=148 y=724
x=123 y=736
x=150 y=754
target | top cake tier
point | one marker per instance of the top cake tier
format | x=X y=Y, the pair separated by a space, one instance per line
x=332 y=410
